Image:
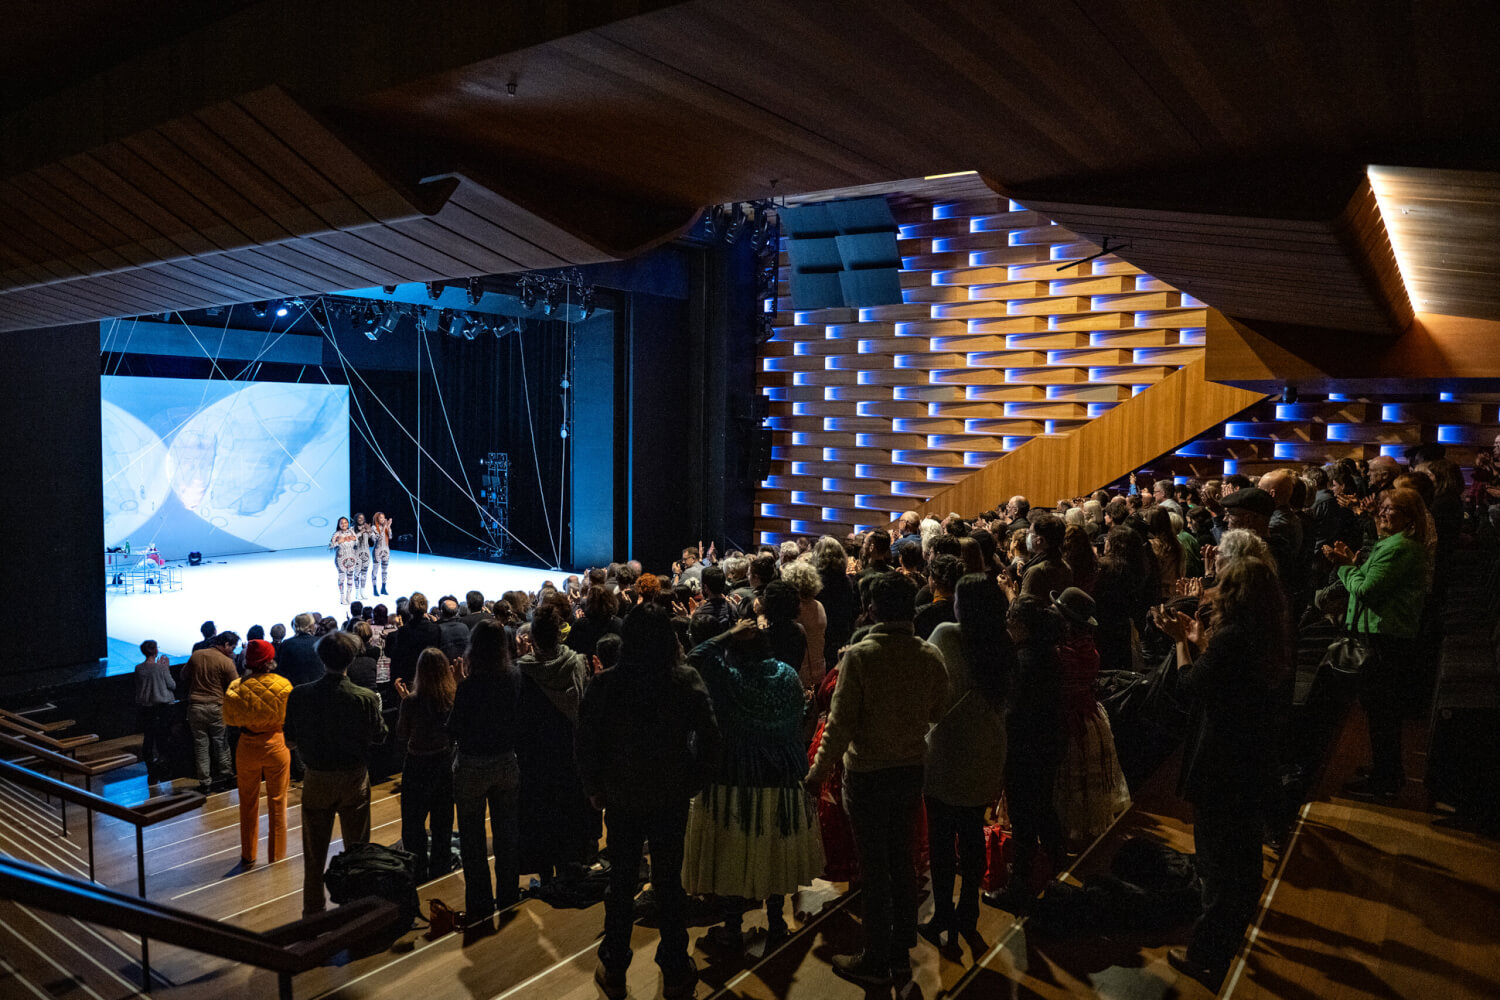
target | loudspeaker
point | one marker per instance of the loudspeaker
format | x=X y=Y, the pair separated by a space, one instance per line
x=761 y=454
x=195 y=558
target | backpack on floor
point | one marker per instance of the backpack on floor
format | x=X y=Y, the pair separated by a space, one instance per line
x=362 y=870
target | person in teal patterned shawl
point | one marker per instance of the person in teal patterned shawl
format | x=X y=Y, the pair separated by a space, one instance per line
x=752 y=833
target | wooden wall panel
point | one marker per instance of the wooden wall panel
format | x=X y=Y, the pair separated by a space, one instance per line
x=1000 y=349
x=1127 y=437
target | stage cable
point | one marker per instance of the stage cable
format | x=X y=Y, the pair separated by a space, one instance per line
x=368 y=434
x=452 y=439
x=562 y=482
x=421 y=452
x=535 y=459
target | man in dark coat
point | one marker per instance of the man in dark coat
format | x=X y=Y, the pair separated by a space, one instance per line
x=410 y=639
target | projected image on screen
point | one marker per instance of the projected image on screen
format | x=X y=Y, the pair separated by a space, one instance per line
x=222 y=467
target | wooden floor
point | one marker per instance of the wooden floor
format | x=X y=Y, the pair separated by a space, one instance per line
x=1370 y=901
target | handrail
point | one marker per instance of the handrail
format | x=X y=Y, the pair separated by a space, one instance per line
x=30 y=723
x=147 y=813
x=66 y=744
x=285 y=950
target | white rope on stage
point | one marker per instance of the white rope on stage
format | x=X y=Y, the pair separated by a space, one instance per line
x=535 y=460
x=422 y=452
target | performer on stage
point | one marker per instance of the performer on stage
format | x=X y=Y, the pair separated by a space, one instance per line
x=345 y=560
x=365 y=540
x=380 y=553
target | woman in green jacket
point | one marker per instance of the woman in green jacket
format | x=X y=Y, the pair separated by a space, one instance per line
x=1386 y=591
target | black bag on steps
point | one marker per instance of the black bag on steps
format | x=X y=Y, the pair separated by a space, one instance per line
x=373 y=870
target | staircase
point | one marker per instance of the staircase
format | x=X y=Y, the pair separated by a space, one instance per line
x=1132 y=434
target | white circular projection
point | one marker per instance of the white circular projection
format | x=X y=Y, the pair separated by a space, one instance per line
x=259 y=463
x=137 y=473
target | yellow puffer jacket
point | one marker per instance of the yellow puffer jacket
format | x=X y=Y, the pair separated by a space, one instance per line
x=257 y=702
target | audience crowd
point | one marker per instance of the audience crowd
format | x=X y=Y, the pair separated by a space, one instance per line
x=851 y=708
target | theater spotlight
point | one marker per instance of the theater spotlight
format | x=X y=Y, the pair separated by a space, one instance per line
x=586 y=307
x=466 y=326
x=553 y=300
x=736 y=226
x=259 y=309
x=281 y=310
x=387 y=323
x=528 y=295
x=475 y=291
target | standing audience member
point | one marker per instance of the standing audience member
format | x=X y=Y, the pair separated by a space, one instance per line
x=891 y=687
x=474 y=610
x=1034 y=745
x=453 y=630
x=332 y=722
x=1090 y=787
x=779 y=607
x=557 y=825
x=943 y=574
x=154 y=696
x=1228 y=761
x=802 y=576
x=1081 y=559
x=427 y=777
x=297 y=657
x=1045 y=572
x=1385 y=606
x=485 y=773
x=256 y=704
x=752 y=832
x=406 y=643
x=208 y=674
x=647 y=740
x=840 y=603
x=966 y=751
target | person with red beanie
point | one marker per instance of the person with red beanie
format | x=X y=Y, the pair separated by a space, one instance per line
x=256 y=704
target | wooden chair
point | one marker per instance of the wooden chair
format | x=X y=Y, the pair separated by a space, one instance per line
x=285 y=950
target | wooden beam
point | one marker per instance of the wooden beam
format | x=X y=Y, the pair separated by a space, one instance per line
x=1442 y=349
x=1127 y=437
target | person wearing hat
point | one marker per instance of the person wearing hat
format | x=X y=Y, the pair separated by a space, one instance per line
x=1090 y=789
x=256 y=704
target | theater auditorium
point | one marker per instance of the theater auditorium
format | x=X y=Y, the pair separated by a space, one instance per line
x=744 y=501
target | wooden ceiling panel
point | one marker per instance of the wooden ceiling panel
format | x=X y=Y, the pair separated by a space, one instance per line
x=1445 y=227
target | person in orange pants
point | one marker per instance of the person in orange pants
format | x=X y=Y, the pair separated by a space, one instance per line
x=256 y=704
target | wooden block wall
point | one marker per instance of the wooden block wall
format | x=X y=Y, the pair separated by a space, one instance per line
x=1275 y=435
x=875 y=410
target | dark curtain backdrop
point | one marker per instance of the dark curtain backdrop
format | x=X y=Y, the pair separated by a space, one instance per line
x=486 y=391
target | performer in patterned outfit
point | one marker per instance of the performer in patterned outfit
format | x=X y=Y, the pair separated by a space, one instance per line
x=345 y=560
x=366 y=539
x=380 y=553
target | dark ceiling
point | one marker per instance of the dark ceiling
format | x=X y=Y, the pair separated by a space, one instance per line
x=629 y=117
x=48 y=44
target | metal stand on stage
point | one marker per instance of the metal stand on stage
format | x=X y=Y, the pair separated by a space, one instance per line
x=494 y=493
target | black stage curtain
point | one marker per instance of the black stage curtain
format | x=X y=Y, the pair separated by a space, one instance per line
x=486 y=386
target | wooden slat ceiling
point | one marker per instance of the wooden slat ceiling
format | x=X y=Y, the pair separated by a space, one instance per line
x=618 y=129
x=1445 y=225
x=252 y=199
x=1337 y=272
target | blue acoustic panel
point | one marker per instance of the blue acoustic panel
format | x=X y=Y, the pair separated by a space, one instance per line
x=871 y=287
x=817 y=289
x=862 y=250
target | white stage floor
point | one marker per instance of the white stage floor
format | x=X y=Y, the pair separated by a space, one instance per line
x=268 y=587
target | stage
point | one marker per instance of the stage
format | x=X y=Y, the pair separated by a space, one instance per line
x=268 y=587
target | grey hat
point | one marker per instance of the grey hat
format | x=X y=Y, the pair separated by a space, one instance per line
x=1076 y=606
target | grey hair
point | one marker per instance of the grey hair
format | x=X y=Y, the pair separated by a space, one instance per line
x=930 y=528
x=1094 y=511
x=1074 y=515
x=735 y=567
x=803 y=577
x=1241 y=543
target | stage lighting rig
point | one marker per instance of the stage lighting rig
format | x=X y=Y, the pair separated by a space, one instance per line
x=586 y=306
x=259 y=309
x=434 y=290
x=475 y=291
x=387 y=323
